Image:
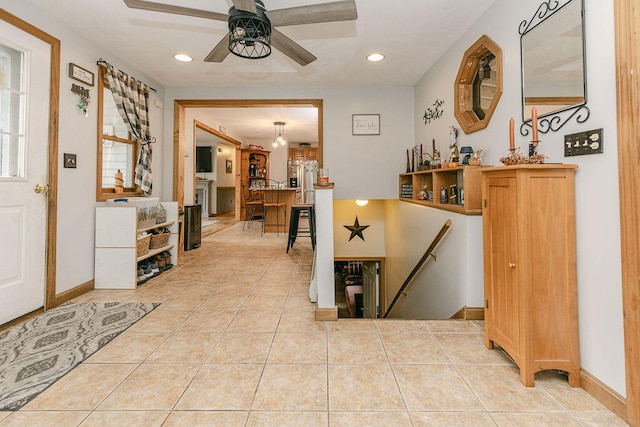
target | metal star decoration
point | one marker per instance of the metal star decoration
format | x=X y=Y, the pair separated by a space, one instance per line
x=356 y=229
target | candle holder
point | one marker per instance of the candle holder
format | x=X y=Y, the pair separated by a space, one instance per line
x=534 y=157
x=514 y=158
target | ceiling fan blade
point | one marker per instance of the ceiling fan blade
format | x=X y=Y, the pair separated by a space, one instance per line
x=177 y=10
x=220 y=52
x=312 y=14
x=290 y=48
x=246 y=5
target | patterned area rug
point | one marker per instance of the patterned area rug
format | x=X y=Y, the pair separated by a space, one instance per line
x=38 y=353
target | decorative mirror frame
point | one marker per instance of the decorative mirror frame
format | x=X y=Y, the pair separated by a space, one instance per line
x=554 y=120
x=463 y=86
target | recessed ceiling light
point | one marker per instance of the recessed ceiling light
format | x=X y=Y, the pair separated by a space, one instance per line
x=375 y=57
x=182 y=57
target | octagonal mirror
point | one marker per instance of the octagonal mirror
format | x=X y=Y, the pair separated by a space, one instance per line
x=478 y=85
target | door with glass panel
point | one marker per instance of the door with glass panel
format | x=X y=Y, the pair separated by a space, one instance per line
x=24 y=142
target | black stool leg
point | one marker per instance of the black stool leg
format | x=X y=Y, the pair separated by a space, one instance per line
x=293 y=228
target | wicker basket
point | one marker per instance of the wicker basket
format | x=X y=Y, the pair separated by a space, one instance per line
x=159 y=240
x=161 y=215
x=147 y=216
x=142 y=246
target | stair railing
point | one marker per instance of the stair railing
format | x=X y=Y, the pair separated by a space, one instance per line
x=427 y=254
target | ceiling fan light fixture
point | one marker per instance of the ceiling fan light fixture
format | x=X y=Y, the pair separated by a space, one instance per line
x=183 y=57
x=375 y=57
x=249 y=34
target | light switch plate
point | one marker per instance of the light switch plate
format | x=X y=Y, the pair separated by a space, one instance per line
x=589 y=142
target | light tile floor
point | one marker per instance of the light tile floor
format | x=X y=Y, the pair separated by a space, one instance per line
x=235 y=343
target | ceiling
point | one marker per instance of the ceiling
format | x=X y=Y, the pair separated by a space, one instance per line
x=255 y=125
x=413 y=34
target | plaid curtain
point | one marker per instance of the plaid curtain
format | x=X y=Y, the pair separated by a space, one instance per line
x=132 y=100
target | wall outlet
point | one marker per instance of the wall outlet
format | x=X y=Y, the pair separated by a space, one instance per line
x=589 y=142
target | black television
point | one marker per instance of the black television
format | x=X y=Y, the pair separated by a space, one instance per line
x=204 y=159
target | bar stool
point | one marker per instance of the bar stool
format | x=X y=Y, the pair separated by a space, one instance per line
x=252 y=201
x=294 y=224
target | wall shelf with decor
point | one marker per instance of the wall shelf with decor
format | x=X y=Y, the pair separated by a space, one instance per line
x=463 y=186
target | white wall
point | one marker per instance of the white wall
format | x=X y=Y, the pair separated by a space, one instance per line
x=77 y=135
x=597 y=205
x=362 y=167
x=442 y=286
x=345 y=213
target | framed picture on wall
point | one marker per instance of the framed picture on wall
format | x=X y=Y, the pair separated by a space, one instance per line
x=365 y=124
x=229 y=166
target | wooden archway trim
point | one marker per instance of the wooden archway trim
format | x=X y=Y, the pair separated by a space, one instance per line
x=179 y=107
x=237 y=158
x=627 y=36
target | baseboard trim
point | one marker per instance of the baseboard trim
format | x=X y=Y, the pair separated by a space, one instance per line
x=469 y=313
x=604 y=394
x=21 y=319
x=327 y=313
x=72 y=293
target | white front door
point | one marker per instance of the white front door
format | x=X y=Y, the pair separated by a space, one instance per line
x=24 y=153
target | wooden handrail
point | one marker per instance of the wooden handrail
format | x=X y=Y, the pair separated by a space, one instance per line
x=426 y=255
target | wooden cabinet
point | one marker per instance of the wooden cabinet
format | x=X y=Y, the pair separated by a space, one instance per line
x=116 y=257
x=462 y=185
x=254 y=170
x=530 y=289
x=303 y=153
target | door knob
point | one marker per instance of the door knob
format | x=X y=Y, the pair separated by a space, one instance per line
x=512 y=265
x=40 y=189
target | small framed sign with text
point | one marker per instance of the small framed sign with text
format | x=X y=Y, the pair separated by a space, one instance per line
x=365 y=124
x=80 y=74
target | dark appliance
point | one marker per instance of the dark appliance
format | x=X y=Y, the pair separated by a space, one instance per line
x=192 y=227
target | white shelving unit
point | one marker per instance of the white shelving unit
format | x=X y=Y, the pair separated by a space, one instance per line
x=116 y=257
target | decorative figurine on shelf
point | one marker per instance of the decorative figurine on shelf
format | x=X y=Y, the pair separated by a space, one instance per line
x=475 y=160
x=435 y=160
x=453 y=144
x=467 y=151
x=444 y=195
x=408 y=163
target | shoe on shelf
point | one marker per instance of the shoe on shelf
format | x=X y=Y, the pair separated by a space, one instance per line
x=161 y=262
x=153 y=265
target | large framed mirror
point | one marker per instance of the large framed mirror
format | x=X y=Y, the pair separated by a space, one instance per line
x=478 y=85
x=553 y=55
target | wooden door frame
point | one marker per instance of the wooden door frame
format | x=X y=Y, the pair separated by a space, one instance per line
x=383 y=284
x=237 y=146
x=52 y=196
x=627 y=37
x=179 y=111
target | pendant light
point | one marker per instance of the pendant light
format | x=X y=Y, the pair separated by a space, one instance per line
x=278 y=135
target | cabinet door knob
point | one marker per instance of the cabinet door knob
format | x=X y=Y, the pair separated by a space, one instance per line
x=512 y=265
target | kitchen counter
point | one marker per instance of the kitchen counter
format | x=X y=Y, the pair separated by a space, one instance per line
x=290 y=196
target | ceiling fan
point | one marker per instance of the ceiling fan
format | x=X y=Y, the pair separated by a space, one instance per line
x=251 y=26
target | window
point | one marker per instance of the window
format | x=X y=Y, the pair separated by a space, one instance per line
x=13 y=100
x=117 y=149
